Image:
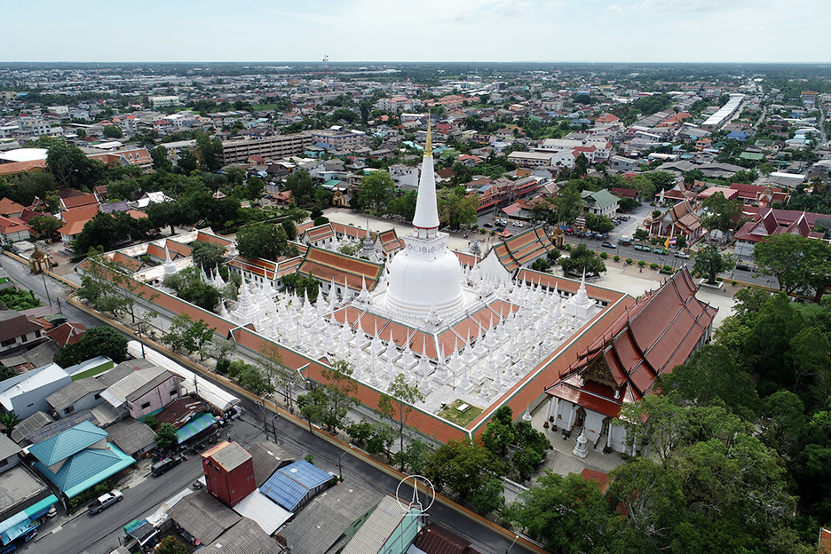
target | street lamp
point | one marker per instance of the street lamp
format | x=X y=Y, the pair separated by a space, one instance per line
x=512 y=544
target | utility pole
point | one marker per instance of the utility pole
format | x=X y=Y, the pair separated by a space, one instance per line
x=45 y=288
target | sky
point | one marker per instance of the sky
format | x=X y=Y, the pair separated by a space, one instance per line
x=427 y=30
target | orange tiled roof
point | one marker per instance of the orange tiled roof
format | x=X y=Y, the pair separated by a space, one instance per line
x=80 y=201
x=22 y=167
x=326 y=266
x=9 y=206
x=75 y=219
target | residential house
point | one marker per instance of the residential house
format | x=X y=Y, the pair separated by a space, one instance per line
x=66 y=333
x=78 y=459
x=600 y=202
x=26 y=499
x=144 y=391
x=228 y=472
x=83 y=394
x=74 y=221
x=389 y=530
x=620 y=163
x=18 y=332
x=12 y=229
x=10 y=208
x=133 y=437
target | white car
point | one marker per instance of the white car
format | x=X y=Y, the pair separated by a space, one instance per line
x=105 y=501
x=682 y=255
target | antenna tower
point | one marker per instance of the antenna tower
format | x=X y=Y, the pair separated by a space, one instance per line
x=326 y=66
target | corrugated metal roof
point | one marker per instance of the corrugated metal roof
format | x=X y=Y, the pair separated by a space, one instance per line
x=230 y=456
x=290 y=485
x=8 y=448
x=268 y=515
x=375 y=532
x=71 y=441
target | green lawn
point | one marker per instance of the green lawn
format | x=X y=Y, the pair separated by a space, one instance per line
x=453 y=415
x=93 y=371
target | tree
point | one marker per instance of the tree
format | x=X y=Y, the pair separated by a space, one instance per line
x=712 y=375
x=161 y=160
x=263 y=240
x=599 y=223
x=164 y=214
x=207 y=255
x=290 y=229
x=499 y=433
x=582 y=260
x=279 y=376
x=397 y=405
x=209 y=151
x=112 y=131
x=462 y=466
x=6 y=373
x=300 y=183
x=456 y=208
x=9 y=420
x=98 y=341
x=166 y=438
x=108 y=231
x=170 y=545
x=641 y=234
x=377 y=191
x=709 y=261
x=19 y=300
x=567 y=514
x=185 y=333
x=569 y=204
x=720 y=213
x=798 y=263
x=71 y=167
x=45 y=226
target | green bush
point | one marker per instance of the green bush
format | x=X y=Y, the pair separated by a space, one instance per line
x=719 y=279
x=642 y=263
x=151 y=422
x=222 y=366
x=667 y=268
x=654 y=266
x=628 y=261
x=604 y=255
x=734 y=283
x=616 y=258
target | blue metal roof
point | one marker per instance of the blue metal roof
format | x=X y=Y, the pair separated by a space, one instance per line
x=87 y=468
x=290 y=485
x=62 y=446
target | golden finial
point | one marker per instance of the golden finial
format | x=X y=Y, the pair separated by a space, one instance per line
x=428 y=146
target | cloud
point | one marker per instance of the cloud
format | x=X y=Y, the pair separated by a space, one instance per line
x=671 y=6
x=613 y=10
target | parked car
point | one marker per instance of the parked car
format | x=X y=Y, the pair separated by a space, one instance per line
x=607 y=245
x=105 y=501
x=681 y=254
x=743 y=267
x=488 y=225
x=161 y=467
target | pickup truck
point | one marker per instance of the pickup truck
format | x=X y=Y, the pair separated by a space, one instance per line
x=105 y=501
x=159 y=468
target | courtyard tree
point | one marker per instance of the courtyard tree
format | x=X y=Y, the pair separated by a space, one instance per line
x=710 y=261
x=207 y=255
x=463 y=467
x=798 y=263
x=377 y=191
x=302 y=187
x=720 y=213
x=397 y=405
x=264 y=240
x=569 y=204
x=582 y=260
x=98 y=341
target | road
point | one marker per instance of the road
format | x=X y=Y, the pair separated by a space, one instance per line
x=100 y=534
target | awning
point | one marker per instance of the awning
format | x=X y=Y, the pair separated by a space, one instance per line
x=195 y=427
x=37 y=510
x=17 y=531
x=12 y=523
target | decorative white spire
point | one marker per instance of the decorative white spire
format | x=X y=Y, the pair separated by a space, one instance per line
x=427 y=215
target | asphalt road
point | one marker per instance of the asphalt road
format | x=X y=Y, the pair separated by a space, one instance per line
x=100 y=534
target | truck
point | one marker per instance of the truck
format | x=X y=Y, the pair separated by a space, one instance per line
x=625 y=240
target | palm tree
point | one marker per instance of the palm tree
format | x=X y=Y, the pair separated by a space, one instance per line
x=9 y=420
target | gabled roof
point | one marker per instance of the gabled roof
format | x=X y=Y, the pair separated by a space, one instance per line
x=60 y=447
x=80 y=201
x=86 y=468
x=658 y=332
x=131 y=435
x=73 y=392
x=75 y=219
x=8 y=206
x=203 y=516
x=290 y=485
x=14 y=324
x=327 y=266
x=523 y=248
x=67 y=333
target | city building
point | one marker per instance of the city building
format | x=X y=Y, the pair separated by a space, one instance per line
x=274 y=148
x=229 y=472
